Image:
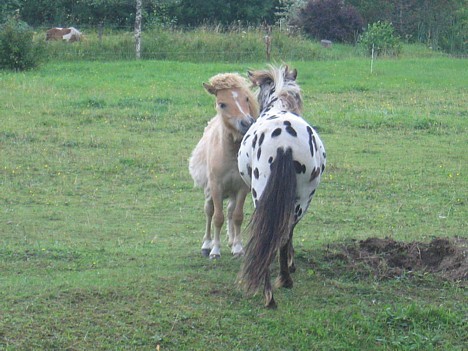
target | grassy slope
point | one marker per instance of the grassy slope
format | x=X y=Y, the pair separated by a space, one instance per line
x=101 y=227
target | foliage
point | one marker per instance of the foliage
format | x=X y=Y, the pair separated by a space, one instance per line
x=440 y=24
x=18 y=51
x=196 y=12
x=101 y=227
x=380 y=37
x=331 y=19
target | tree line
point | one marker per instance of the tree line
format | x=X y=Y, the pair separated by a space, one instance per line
x=437 y=23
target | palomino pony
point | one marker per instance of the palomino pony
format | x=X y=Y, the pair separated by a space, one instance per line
x=68 y=34
x=282 y=159
x=213 y=164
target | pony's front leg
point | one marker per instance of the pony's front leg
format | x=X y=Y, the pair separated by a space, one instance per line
x=286 y=259
x=230 y=227
x=218 y=220
x=207 y=241
x=284 y=279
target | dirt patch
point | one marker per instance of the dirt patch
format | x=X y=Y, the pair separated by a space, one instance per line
x=387 y=258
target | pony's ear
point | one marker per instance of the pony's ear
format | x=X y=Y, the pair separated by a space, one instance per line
x=292 y=75
x=259 y=77
x=250 y=74
x=209 y=88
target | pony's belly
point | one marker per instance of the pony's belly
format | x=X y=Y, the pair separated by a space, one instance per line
x=233 y=183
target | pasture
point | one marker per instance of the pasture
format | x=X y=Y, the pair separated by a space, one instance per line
x=101 y=227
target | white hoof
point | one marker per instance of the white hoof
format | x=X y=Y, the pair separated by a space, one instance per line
x=206 y=248
x=237 y=250
x=215 y=253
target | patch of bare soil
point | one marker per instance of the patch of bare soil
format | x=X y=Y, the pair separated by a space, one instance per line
x=387 y=258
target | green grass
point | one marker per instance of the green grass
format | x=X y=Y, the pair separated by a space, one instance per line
x=100 y=226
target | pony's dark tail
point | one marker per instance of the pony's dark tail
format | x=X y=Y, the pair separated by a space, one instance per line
x=271 y=222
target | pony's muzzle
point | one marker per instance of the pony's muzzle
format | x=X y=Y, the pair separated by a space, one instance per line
x=245 y=124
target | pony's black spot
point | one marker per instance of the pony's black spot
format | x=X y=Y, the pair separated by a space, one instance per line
x=260 y=141
x=254 y=142
x=324 y=155
x=315 y=143
x=256 y=173
x=311 y=194
x=298 y=211
x=259 y=153
x=315 y=173
x=276 y=132
x=245 y=139
x=272 y=117
x=323 y=168
x=254 y=193
x=311 y=146
x=287 y=123
x=270 y=160
x=291 y=131
x=249 y=171
x=242 y=173
x=299 y=167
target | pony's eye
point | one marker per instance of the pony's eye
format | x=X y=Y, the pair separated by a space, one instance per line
x=222 y=105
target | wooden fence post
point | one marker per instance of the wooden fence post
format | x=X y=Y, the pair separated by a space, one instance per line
x=268 y=43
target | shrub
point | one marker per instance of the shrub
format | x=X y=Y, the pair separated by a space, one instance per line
x=380 y=35
x=18 y=51
x=331 y=19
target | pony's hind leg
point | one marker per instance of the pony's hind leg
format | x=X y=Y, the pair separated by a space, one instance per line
x=207 y=241
x=268 y=292
x=237 y=218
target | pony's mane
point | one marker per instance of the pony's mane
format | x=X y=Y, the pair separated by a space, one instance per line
x=228 y=81
x=284 y=87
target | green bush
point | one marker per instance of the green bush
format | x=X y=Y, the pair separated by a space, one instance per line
x=381 y=37
x=18 y=51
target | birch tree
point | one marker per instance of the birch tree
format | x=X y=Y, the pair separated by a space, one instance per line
x=138 y=29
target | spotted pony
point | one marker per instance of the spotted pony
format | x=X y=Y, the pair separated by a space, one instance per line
x=281 y=158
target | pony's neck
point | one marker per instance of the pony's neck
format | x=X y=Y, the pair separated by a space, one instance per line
x=230 y=137
x=287 y=101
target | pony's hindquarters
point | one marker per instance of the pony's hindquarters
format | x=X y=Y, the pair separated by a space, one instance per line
x=271 y=224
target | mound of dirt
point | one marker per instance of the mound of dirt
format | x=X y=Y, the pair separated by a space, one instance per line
x=387 y=258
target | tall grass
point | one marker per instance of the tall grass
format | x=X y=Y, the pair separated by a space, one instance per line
x=198 y=45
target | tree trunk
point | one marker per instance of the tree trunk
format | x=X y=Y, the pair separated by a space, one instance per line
x=138 y=29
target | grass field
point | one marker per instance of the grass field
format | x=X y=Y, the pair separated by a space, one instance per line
x=101 y=228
